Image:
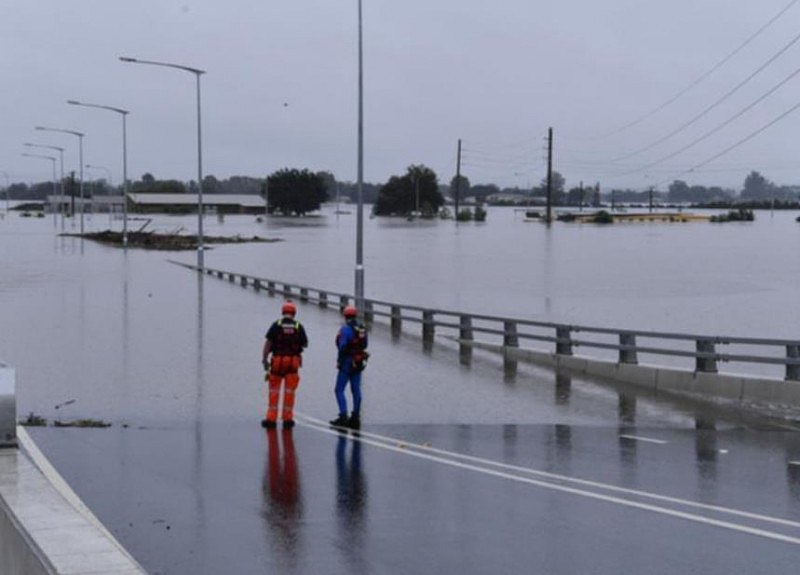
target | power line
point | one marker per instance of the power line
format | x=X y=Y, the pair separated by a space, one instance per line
x=736 y=145
x=701 y=78
x=716 y=129
x=727 y=95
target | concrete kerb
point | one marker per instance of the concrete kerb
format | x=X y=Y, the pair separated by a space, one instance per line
x=44 y=526
x=49 y=529
x=747 y=391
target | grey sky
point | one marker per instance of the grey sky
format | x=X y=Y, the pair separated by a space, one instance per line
x=495 y=74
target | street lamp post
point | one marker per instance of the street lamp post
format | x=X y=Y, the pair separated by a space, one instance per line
x=360 y=212
x=53 y=160
x=80 y=158
x=106 y=170
x=5 y=175
x=124 y=114
x=197 y=73
x=61 y=164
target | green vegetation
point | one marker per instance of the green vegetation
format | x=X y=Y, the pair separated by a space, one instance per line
x=295 y=192
x=602 y=217
x=155 y=241
x=740 y=215
x=401 y=195
x=480 y=214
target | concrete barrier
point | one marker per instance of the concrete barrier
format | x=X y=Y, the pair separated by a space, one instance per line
x=770 y=394
x=45 y=528
x=8 y=406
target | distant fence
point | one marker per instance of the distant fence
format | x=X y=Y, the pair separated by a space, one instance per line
x=700 y=352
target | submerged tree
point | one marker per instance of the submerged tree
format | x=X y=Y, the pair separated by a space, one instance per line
x=295 y=192
x=416 y=190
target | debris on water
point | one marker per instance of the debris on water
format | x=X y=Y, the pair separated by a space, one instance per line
x=68 y=402
x=170 y=241
x=82 y=423
x=33 y=421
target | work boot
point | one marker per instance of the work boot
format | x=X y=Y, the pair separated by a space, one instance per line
x=340 y=421
x=355 y=421
x=288 y=423
x=268 y=424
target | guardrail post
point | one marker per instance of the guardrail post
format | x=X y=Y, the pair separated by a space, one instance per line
x=287 y=291
x=465 y=328
x=342 y=303
x=706 y=364
x=303 y=294
x=627 y=351
x=369 y=314
x=792 y=370
x=564 y=343
x=510 y=338
x=396 y=319
x=243 y=281
x=323 y=299
x=428 y=328
x=220 y=275
x=257 y=284
x=271 y=288
x=8 y=406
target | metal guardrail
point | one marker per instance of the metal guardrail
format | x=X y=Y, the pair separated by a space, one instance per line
x=703 y=350
x=8 y=406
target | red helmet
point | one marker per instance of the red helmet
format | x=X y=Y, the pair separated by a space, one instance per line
x=349 y=311
x=288 y=308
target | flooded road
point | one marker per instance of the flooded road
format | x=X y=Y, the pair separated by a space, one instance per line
x=190 y=483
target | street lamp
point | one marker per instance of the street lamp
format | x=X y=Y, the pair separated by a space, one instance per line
x=61 y=163
x=106 y=170
x=124 y=114
x=80 y=158
x=197 y=73
x=5 y=175
x=53 y=160
x=359 y=187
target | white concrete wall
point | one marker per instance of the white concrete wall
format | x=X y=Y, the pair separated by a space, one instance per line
x=743 y=390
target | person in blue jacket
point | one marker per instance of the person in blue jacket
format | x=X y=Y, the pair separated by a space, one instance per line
x=351 y=342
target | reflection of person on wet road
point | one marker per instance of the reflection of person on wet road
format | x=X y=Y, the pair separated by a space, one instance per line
x=286 y=340
x=351 y=343
x=351 y=500
x=281 y=487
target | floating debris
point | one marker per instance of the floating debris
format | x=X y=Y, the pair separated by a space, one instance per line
x=68 y=402
x=172 y=242
x=33 y=421
x=82 y=423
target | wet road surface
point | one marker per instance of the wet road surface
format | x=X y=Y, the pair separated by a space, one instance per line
x=235 y=498
x=190 y=483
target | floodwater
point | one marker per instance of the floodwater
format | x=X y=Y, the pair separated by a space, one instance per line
x=189 y=482
x=130 y=335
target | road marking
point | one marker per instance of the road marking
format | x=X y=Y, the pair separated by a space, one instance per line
x=572 y=490
x=410 y=447
x=645 y=439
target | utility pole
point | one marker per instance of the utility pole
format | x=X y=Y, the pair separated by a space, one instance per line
x=548 y=218
x=580 y=206
x=651 y=199
x=458 y=178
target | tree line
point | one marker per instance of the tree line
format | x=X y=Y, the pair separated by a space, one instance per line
x=299 y=191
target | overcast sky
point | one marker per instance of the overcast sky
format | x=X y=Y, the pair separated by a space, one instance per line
x=281 y=87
